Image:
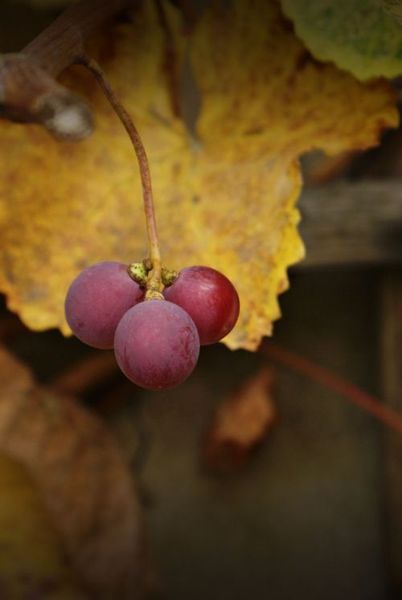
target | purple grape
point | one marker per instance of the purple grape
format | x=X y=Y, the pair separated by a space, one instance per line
x=156 y=344
x=96 y=301
x=209 y=298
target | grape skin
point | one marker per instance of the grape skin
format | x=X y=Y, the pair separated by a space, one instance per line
x=209 y=298
x=96 y=301
x=156 y=344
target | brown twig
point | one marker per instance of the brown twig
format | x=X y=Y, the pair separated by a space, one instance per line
x=154 y=284
x=332 y=381
x=29 y=91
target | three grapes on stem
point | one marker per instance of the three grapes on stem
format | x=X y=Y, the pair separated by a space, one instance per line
x=154 y=319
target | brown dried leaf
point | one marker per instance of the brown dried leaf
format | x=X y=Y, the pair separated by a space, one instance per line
x=241 y=422
x=81 y=477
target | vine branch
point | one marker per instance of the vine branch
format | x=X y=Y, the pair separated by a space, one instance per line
x=29 y=92
x=385 y=414
x=154 y=284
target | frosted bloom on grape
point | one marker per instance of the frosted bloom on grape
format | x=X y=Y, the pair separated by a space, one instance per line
x=156 y=344
x=96 y=301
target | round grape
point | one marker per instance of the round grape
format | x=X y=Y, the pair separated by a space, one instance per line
x=96 y=301
x=156 y=344
x=209 y=298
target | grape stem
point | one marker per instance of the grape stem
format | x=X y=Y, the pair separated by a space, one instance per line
x=154 y=283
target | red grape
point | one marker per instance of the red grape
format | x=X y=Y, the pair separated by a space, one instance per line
x=209 y=298
x=156 y=344
x=96 y=301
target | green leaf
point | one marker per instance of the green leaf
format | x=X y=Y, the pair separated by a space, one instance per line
x=357 y=35
x=393 y=8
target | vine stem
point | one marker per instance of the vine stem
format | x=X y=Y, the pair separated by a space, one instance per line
x=348 y=390
x=29 y=90
x=154 y=283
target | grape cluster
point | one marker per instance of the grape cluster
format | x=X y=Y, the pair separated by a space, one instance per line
x=157 y=341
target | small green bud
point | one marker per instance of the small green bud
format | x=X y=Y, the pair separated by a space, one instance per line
x=138 y=272
x=169 y=277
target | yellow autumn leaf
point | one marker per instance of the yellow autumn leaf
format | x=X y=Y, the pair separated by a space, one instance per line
x=225 y=185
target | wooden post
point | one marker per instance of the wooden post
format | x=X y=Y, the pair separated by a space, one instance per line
x=352 y=223
x=391 y=355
